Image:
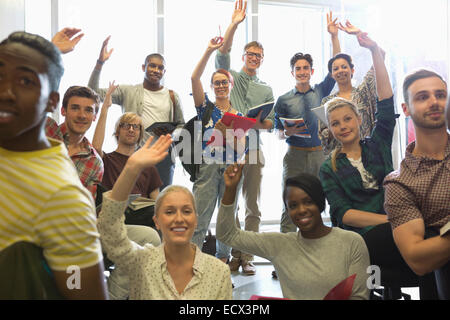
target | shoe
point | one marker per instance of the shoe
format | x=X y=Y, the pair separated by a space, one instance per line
x=248 y=268
x=234 y=264
x=274 y=274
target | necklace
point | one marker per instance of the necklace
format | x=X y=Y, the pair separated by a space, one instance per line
x=224 y=111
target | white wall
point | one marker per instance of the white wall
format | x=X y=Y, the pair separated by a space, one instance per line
x=12 y=17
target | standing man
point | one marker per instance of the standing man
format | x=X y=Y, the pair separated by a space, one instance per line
x=417 y=196
x=80 y=107
x=248 y=92
x=43 y=205
x=304 y=155
x=150 y=100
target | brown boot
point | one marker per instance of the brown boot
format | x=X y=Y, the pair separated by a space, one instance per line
x=234 y=264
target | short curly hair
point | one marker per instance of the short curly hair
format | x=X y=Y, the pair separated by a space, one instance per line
x=55 y=68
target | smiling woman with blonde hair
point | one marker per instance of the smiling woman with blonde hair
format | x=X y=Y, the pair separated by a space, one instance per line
x=175 y=270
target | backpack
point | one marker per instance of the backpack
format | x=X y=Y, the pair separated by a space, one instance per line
x=196 y=137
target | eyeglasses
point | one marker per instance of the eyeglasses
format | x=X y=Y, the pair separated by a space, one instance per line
x=254 y=55
x=127 y=126
x=224 y=83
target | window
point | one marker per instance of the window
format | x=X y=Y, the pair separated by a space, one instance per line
x=133 y=37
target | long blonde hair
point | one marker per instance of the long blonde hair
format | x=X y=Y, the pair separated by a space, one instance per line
x=330 y=106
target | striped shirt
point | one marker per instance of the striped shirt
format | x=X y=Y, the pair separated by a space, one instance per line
x=420 y=189
x=88 y=162
x=43 y=202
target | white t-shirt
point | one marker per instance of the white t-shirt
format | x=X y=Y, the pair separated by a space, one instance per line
x=368 y=180
x=157 y=106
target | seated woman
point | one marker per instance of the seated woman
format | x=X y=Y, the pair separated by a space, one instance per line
x=209 y=186
x=177 y=269
x=310 y=262
x=364 y=96
x=352 y=176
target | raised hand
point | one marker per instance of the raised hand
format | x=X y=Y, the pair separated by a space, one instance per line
x=104 y=53
x=148 y=156
x=332 y=26
x=366 y=42
x=239 y=12
x=232 y=175
x=349 y=28
x=215 y=43
x=64 y=40
x=108 y=100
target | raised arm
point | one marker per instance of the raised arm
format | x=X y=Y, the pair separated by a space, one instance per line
x=65 y=40
x=197 y=88
x=119 y=248
x=333 y=30
x=99 y=135
x=237 y=17
x=105 y=54
x=384 y=88
x=145 y=157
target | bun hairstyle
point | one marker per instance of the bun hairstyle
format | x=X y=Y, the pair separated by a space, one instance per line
x=170 y=189
x=226 y=73
x=344 y=56
x=330 y=106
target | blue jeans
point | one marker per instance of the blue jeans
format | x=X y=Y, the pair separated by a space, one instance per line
x=208 y=191
x=165 y=170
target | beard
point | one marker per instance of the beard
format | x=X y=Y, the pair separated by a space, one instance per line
x=425 y=123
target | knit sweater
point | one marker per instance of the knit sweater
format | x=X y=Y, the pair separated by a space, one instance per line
x=307 y=268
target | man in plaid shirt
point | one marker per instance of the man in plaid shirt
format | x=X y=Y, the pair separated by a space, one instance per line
x=417 y=196
x=80 y=107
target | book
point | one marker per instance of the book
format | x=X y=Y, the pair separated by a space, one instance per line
x=165 y=127
x=445 y=229
x=265 y=108
x=320 y=113
x=140 y=202
x=239 y=122
x=298 y=123
x=343 y=290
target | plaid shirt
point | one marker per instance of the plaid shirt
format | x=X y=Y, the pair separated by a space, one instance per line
x=344 y=188
x=420 y=189
x=88 y=163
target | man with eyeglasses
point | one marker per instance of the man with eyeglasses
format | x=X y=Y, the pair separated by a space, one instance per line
x=80 y=107
x=248 y=91
x=150 y=100
x=129 y=132
x=304 y=154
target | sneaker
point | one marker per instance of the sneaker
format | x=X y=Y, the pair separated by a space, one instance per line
x=234 y=264
x=248 y=268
